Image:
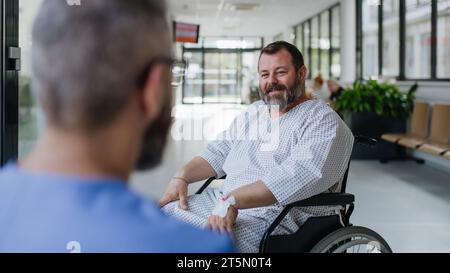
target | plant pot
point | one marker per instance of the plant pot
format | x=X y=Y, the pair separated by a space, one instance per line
x=372 y=125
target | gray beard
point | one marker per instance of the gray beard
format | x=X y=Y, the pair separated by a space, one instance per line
x=289 y=96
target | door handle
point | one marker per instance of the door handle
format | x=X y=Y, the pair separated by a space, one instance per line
x=14 y=58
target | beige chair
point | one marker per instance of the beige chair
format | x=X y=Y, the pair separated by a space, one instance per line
x=439 y=139
x=419 y=127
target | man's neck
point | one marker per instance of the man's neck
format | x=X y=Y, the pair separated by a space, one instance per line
x=70 y=153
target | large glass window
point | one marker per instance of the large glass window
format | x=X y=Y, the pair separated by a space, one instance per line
x=299 y=37
x=249 y=76
x=418 y=35
x=30 y=118
x=336 y=42
x=315 y=47
x=391 y=37
x=325 y=43
x=222 y=70
x=370 y=39
x=415 y=39
x=319 y=39
x=307 y=48
x=193 y=77
x=443 y=39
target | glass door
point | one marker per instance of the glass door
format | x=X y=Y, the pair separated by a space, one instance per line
x=229 y=85
x=30 y=117
x=193 y=84
x=9 y=66
x=215 y=78
x=212 y=78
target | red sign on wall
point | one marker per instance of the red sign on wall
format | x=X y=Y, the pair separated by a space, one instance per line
x=186 y=33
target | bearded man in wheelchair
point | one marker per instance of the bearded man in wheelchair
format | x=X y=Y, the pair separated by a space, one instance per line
x=299 y=149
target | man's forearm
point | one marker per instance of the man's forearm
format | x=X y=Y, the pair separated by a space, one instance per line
x=253 y=196
x=196 y=170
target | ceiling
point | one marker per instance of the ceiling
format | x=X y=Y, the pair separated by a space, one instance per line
x=245 y=17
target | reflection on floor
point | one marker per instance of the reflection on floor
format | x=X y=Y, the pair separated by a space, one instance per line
x=408 y=204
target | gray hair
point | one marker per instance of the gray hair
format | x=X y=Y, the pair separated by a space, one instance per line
x=87 y=59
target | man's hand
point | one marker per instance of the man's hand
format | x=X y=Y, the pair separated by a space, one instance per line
x=223 y=225
x=176 y=190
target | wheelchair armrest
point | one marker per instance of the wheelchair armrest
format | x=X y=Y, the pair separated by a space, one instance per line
x=323 y=199
x=365 y=140
x=207 y=183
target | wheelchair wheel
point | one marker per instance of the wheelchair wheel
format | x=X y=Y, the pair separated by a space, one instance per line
x=352 y=240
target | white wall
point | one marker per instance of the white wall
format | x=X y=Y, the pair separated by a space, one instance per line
x=348 y=41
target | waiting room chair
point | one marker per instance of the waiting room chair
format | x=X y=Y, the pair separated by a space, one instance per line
x=439 y=139
x=419 y=125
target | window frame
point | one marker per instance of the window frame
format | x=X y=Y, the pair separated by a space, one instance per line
x=9 y=71
x=402 y=43
x=204 y=50
x=307 y=47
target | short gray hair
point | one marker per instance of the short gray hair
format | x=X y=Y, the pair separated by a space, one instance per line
x=86 y=59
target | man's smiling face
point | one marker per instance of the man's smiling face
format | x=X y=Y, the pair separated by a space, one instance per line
x=279 y=82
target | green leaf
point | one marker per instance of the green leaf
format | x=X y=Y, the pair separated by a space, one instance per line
x=384 y=99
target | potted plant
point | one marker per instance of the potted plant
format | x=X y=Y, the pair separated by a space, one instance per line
x=371 y=109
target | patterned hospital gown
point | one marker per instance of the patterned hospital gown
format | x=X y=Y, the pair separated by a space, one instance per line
x=310 y=158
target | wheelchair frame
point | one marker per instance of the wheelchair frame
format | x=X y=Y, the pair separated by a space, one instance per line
x=316 y=229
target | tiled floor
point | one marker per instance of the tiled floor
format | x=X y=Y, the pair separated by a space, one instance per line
x=408 y=204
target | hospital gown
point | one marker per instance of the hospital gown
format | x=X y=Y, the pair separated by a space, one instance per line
x=310 y=156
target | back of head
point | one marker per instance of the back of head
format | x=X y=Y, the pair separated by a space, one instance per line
x=88 y=58
x=333 y=85
x=318 y=80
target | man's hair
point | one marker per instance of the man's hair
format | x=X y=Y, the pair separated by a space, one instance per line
x=87 y=58
x=275 y=47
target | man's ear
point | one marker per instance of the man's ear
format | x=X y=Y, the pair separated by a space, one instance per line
x=303 y=73
x=152 y=97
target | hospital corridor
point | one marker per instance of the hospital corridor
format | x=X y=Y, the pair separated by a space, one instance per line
x=225 y=126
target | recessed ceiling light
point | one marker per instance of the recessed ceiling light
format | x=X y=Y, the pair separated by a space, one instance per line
x=244 y=6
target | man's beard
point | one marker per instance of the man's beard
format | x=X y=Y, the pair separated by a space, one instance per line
x=155 y=139
x=284 y=100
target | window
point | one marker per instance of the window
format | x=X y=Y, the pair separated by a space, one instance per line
x=307 y=47
x=193 y=77
x=418 y=32
x=335 y=42
x=407 y=39
x=30 y=117
x=221 y=70
x=443 y=39
x=324 y=43
x=318 y=38
x=370 y=39
x=299 y=37
x=390 y=38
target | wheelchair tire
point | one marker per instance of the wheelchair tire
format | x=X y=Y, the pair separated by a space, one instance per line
x=341 y=240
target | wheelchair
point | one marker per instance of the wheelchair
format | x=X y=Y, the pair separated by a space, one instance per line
x=323 y=234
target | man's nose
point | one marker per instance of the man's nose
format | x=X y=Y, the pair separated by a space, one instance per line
x=273 y=79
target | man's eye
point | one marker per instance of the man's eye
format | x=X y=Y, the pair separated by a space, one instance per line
x=264 y=75
x=281 y=72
